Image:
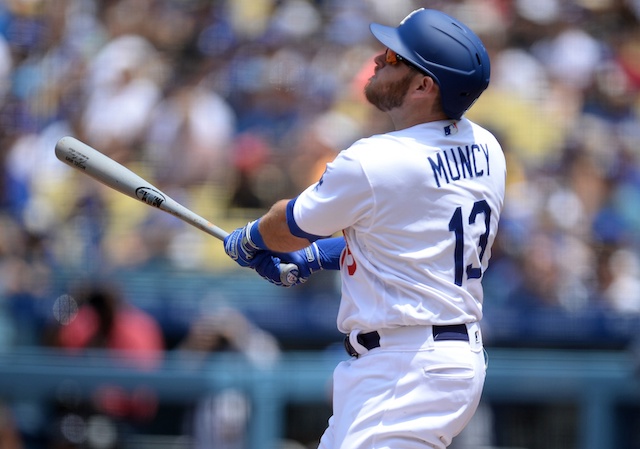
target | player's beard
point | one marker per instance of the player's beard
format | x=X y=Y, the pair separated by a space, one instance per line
x=387 y=96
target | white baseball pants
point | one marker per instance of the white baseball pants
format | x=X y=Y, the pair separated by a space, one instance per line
x=410 y=393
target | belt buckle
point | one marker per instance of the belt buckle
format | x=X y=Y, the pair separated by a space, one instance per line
x=349 y=348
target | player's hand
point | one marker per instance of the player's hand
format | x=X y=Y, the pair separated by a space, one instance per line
x=270 y=267
x=287 y=269
x=240 y=247
x=307 y=260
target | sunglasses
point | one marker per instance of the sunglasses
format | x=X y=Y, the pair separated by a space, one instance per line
x=393 y=58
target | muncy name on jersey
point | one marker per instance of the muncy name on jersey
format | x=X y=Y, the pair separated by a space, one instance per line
x=470 y=161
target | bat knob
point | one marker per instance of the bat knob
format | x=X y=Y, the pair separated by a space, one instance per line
x=289 y=274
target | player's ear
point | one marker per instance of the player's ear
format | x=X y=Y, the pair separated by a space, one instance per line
x=424 y=87
x=426 y=84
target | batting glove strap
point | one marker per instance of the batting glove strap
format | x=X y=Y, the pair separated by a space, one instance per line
x=253 y=235
x=307 y=261
x=241 y=246
x=312 y=258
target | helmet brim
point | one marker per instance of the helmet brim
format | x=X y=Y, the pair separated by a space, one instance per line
x=385 y=34
x=390 y=38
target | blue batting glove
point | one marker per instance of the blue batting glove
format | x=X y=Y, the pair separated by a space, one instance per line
x=287 y=269
x=296 y=267
x=307 y=260
x=244 y=243
x=270 y=267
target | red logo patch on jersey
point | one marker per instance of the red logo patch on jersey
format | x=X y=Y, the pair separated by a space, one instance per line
x=346 y=259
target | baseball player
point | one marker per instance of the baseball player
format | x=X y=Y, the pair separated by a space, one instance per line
x=418 y=210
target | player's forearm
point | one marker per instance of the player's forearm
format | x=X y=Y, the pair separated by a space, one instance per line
x=275 y=230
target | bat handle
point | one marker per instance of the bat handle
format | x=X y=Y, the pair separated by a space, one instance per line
x=289 y=274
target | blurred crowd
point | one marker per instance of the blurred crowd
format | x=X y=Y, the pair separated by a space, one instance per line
x=230 y=105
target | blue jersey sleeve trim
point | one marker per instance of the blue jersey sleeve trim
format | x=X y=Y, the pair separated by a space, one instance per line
x=293 y=226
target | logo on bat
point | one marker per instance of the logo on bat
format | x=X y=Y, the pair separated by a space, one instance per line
x=150 y=196
x=77 y=159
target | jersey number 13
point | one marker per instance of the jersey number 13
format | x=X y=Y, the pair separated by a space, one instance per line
x=456 y=225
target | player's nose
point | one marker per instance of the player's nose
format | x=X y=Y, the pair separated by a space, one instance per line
x=380 y=60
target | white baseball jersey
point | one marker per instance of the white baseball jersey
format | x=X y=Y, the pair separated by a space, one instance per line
x=419 y=209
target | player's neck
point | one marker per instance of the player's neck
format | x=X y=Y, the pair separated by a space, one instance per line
x=403 y=119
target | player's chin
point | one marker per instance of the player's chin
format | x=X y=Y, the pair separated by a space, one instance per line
x=367 y=86
x=376 y=98
x=371 y=91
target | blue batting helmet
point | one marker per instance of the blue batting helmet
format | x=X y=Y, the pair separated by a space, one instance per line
x=445 y=49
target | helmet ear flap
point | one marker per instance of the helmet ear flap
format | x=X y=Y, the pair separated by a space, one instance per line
x=445 y=49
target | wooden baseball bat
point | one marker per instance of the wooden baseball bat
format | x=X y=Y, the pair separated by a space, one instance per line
x=90 y=161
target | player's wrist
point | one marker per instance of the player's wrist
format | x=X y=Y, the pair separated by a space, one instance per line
x=329 y=252
x=311 y=256
x=243 y=244
x=254 y=236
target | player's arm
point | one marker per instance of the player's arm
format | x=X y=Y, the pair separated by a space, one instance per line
x=275 y=229
x=279 y=232
x=274 y=239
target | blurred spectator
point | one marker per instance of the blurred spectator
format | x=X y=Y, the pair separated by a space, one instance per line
x=229 y=330
x=621 y=291
x=251 y=158
x=98 y=316
x=25 y=283
x=190 y=136
x=230 y=104
x=122 y=88
x=220 y=420
x=10 y=437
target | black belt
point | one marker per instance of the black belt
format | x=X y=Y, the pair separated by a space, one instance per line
x=371 y=340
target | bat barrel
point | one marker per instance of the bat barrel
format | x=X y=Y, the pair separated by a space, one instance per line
x=86 y=159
